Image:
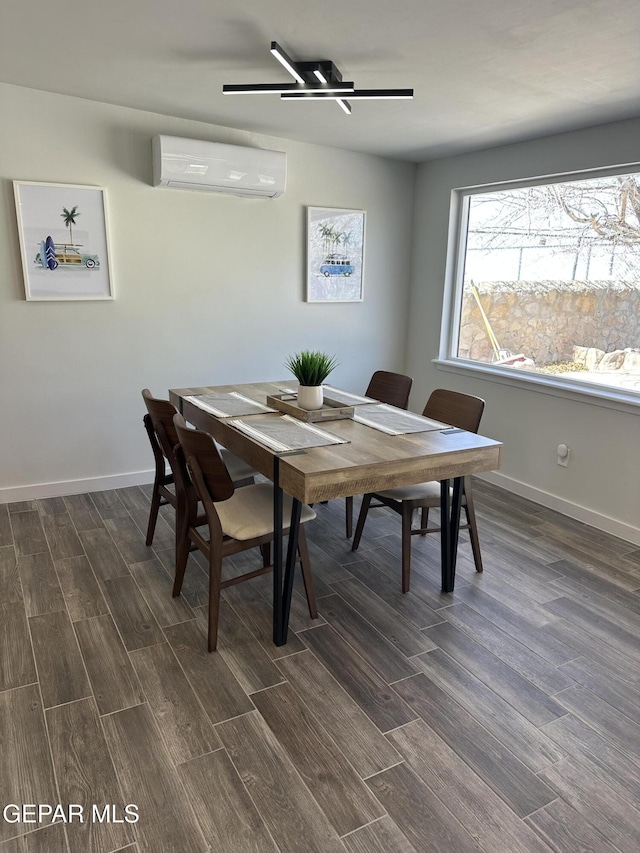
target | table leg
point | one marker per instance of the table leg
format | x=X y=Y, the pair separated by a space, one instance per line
x=445 y=533
x=456 y=506
x=277 y=552
x=282 y=592
x=290 y=569
x=450 y=528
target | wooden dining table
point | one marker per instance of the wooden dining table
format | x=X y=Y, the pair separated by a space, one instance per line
x=369 y=461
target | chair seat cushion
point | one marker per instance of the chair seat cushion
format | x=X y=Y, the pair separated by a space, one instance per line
x=237 y=468
x=249 y=512
x=418 y=491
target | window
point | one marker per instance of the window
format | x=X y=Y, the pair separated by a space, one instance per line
x=547 y=280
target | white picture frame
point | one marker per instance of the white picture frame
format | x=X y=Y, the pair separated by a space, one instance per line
x=335 y=254
x=64 y=241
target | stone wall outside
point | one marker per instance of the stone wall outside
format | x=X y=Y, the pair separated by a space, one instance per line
x=546 y=320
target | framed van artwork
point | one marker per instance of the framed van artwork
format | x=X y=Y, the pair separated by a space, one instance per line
x=335 y=254
x=63 y=241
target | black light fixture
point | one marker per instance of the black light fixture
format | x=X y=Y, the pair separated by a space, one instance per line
x=316 y=80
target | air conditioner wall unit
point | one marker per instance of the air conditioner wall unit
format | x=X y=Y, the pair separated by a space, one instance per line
x=190 y=164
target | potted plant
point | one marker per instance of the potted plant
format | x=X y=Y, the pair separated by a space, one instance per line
x=310 y=368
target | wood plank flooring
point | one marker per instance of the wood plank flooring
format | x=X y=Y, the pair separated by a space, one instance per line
x=502 y=718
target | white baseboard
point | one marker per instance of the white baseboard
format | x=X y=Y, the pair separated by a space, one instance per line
x=139 y=478
x=595 y=519
x=74 y=487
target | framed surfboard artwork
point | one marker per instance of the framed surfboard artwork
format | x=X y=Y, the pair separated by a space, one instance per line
x=64 y=241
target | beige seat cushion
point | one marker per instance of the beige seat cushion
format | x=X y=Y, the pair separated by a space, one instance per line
x=238 y=470
x=429 y=492
x=249 y=512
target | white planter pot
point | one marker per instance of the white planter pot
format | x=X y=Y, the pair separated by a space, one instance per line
x=310 y=396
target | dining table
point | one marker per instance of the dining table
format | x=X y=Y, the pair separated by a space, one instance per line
x=353 y=455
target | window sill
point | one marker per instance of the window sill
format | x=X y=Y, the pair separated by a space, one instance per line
x=591 y=394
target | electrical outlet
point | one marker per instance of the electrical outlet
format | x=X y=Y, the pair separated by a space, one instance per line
x=563 y=455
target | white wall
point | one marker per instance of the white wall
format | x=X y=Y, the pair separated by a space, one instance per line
x=602 y=483
x=209 y=288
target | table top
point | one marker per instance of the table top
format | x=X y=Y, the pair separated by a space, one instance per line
x=371 y=460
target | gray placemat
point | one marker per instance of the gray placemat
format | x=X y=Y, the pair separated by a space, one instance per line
x=286 y=433
x=394 y=421
x=345 y=398
x=227 y=405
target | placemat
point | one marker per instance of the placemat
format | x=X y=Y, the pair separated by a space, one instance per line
x=345 y=398
x=394 y=421
x=227 y=405
x=286 y=433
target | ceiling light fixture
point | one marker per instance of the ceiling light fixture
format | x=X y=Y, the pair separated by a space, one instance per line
x=287 y=88
x=286 y=62
x=356 y=94
x=316 y=80
x=344 y=105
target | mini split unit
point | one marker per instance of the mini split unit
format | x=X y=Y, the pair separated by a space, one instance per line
x=188 y=164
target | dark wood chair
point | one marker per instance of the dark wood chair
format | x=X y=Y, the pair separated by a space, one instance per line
x=238 y=519
x=163 y=438
x=450 y=407
x=390 y=388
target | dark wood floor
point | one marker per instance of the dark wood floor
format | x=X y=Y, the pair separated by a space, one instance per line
x=504 y=717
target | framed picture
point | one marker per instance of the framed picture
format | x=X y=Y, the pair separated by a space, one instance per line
x=63 y=241
x=335 y=254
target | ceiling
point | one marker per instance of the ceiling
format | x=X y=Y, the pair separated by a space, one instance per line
x=485 y=72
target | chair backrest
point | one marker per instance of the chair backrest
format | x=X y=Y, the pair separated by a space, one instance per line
x=390 y=388
x=200 y=446
x=161 y=413
x=451 y=407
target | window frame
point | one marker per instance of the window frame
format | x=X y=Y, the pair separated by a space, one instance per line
x=586 y=392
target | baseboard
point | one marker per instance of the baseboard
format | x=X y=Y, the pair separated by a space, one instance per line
x=595 y=519
x=139 y=478
x=74 y=487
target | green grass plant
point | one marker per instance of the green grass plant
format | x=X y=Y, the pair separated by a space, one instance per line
x=311 y=367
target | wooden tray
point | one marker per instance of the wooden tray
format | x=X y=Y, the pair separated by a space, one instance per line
x=330 y=410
